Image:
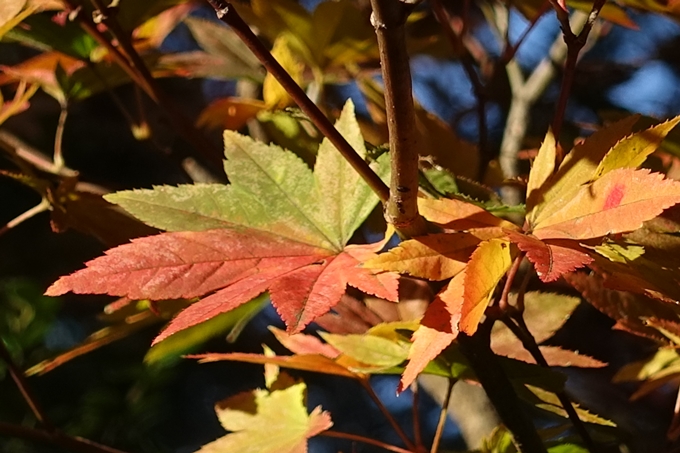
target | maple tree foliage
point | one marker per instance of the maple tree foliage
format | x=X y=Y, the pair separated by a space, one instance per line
x=600 y=216
x=294 y=247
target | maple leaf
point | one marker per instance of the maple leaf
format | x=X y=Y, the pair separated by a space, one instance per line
x=576 y=169
x=618 y=202
x=267 y=421
x=277 y=227
x=459 y=215
x=630 y=311
x=438 y=328
x=542 y=170
x=632 y=151
x=487 y=265
x=434 y=257
x=551 y=258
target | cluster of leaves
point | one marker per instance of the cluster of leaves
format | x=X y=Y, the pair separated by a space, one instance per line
x=282 y=232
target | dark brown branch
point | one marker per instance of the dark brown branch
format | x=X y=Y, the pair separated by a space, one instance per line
x=518 y=327
x=389 y=20
x=135 y=68
x=20 y=380
x=74 y=444
x=498 y=387
x=228 y=14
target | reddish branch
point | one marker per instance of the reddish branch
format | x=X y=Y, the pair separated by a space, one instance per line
x=228 y=14
x=574 y=45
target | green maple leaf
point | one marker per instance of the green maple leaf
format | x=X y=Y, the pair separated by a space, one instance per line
x=272 y=420
x=278 y=227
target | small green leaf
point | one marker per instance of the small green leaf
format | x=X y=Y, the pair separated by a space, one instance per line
x=345 y=199
x=369 y=349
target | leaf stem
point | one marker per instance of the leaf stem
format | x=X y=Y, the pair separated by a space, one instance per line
x=75 y=444
x=58 y=157
x=43 y=206
x=442 y=417
x=519 y=327
x=389 y=21
x=365 y=440
x=498 y=387
x=400 y=432
x=228 y=14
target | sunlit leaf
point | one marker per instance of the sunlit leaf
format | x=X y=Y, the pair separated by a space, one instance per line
x=438 y=328
x=274 y=95
x=272 y=229
x=619 y=201
x=268 y=422
x=488 y=264
x=552 y=259
x=578 y=168
x=542 y=169
x=303 y=362
x=434 y=257
x=458 y=215
x=632 y=151
x=369 y=349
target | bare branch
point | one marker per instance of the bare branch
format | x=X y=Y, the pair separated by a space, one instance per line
x=389 y=21
x=228 y=14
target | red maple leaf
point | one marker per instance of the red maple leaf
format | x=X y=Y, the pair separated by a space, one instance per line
x=233 y=267
x=551 y=258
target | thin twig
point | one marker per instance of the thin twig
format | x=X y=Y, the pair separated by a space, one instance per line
x=442 y=418
x=417 y=435
x=57 y=438
x=365 y=440
x=228 y=14
x=21 y=382
x=524 y=94
x=376 y=399
x=467 y=61
x=574 y=45
x=389 y=21
x=140 y=75
x=511 y=49
x=43 y=206
x=518 y=327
